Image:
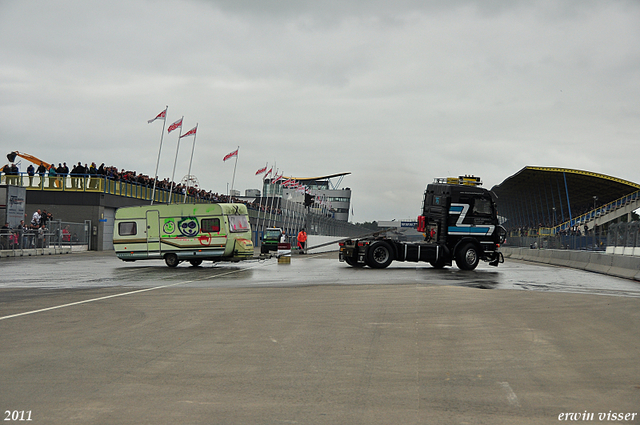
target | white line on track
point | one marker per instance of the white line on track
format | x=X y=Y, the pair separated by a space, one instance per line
x=122 y=294
x=511 y=396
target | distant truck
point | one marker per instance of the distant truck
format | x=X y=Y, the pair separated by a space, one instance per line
x=183 y=232
x=272 y=236
x=460 y=222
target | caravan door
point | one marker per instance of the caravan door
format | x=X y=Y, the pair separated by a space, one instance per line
x=153 y=234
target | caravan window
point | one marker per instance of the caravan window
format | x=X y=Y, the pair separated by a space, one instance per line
x=238 y=223
x=210 y=225
x=127 y=228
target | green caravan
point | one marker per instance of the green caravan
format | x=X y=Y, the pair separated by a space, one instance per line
x=183 y=232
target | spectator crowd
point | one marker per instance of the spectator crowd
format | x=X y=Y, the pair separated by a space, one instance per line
x=32 y=235
x=89 y=175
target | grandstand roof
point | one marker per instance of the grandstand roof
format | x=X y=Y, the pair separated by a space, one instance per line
x=532 y=193
x=302 y=179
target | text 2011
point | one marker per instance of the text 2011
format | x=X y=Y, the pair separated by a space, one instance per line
x=17 y=415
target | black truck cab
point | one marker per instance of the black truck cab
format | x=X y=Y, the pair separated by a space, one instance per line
x=464 y=219
x=460 y=222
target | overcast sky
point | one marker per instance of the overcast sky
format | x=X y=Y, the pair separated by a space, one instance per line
x=395 y=92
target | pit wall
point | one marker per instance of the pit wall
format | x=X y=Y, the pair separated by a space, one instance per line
x=627 y=267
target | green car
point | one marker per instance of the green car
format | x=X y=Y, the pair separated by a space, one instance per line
x=270 y=239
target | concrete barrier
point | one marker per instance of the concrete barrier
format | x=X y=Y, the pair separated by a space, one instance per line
x=618 y=265
x=34 y=252
x=561 y=258
x=627 y=267
x=544 y=256
x=578 y=260
x=599 y=262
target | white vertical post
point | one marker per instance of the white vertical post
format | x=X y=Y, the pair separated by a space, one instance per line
x=193 y=147
x=234 y=173
x=175 y=161
x=153 y=193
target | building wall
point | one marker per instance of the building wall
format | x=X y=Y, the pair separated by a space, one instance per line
x=78 y=207
x=339 y=200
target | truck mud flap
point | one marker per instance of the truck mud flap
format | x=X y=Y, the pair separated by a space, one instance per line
x=498 y=258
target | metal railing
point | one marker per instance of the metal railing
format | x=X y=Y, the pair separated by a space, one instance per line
x=55 y=234
x=290 y=216
x=596 y=213
x=589 y=242
x=624 y=238
x=620 y=238
x=94 y=183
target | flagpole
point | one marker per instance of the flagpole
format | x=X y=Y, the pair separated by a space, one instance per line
x=271 y=218
x=193 y=147
x=261 y=197
x=234 y=173
x=293 y=215
x=287 y=208
x=175 y=161
x=153 y=193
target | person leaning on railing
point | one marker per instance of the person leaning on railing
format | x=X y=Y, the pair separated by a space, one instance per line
x=6 y=170
x=5 y=231
x=21 y=230
x=11 y=174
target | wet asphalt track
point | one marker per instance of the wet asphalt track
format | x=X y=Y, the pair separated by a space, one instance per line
x=86 y=338
x=104 y=270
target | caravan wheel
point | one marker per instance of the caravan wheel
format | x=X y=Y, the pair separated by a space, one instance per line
x=171 y=260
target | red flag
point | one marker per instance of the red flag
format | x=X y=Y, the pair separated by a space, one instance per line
x=161 y=116
x=175 y=125
x=277 y=178
x=191 y=132
x=230 y=155
x=261 y=171
x=269 y=172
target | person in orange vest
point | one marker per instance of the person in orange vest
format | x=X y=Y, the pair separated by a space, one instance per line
x=302 y=240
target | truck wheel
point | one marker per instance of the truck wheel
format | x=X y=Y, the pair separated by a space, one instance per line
x=353 y=262
x=171 y=260
x=379 y=255
x=195 y=263
x=467 y=257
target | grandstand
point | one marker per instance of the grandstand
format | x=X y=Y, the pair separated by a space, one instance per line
x=557 y=201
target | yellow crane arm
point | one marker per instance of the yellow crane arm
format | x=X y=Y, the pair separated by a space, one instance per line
x=12 y=156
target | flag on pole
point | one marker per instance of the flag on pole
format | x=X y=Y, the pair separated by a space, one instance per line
x=161 y=116
x=191 y=132
x=277 y=178
x=177 y=124
x=261 y=171
x=268 y=172
x=230 y=155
